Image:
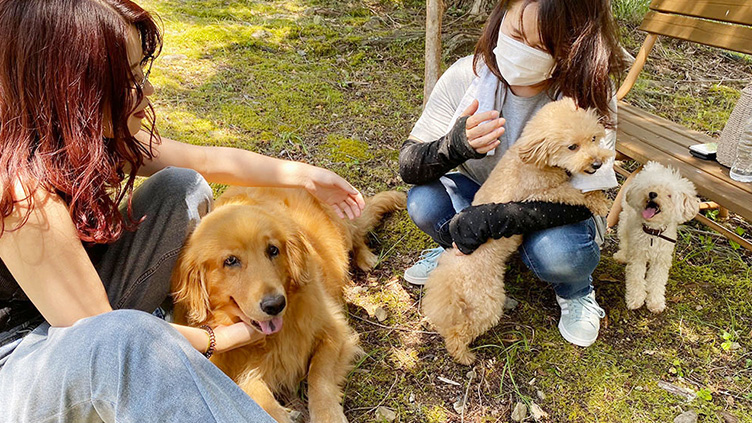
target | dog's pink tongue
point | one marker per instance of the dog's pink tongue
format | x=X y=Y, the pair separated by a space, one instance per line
x=271 y=326
x=648 y=213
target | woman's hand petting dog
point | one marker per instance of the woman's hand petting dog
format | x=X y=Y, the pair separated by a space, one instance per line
x=331 y=189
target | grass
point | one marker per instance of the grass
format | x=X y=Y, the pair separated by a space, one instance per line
x=339 y=84
x=630 y=11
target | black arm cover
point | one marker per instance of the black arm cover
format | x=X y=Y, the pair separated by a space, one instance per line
x=422 y=162
x=473 y=226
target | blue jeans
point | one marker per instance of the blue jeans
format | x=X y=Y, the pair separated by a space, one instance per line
x=564 y=256
x=126 y=365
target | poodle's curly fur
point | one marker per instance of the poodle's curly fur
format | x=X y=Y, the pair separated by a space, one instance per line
x=465 y=294
x=660 y=199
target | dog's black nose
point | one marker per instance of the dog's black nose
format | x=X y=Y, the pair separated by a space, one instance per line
x=273 y=304
x=597 y=165
x=652 y=195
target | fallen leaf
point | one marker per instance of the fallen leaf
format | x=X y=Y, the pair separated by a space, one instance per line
x=387 y=414
x=380 y=314
x=520 y=412
x=459 y=405
x=537 y=412
x=688 y=394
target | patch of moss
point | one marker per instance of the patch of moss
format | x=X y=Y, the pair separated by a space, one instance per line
x=436 y=414
x=346 y=150
x=400 y=232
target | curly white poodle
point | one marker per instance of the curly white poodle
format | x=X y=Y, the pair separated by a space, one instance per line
x=653 y=205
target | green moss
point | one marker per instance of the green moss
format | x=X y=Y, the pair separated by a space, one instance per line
x=436 y=414
x=401 y=232
x=346 y=150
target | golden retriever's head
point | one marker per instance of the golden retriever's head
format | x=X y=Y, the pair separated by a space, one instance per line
x=244 y=263
x=563 y=135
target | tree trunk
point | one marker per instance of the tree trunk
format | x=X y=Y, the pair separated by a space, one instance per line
x=434 y=11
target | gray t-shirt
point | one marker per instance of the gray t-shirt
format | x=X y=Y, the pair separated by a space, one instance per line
x=445 y=98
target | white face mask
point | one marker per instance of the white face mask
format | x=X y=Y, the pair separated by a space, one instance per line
x=521 y=64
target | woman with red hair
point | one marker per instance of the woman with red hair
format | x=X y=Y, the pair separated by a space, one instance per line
x=77 y=241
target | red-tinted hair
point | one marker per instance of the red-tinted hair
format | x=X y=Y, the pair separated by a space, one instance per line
x=580 y=35
x=64 y=70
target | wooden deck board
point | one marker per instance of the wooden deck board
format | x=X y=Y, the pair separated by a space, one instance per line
x=645 y=137
x=663 y=139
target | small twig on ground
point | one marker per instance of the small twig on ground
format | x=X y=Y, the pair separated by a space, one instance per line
x=733 y=394
x=467 y=390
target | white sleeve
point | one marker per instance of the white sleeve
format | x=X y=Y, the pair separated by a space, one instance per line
x=443 y=101
x=605 y=177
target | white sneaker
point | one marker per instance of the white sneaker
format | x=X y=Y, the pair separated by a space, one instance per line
x=580 y=319
x=418 y=273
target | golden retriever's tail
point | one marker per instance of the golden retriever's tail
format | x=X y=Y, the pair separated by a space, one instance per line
x=376 y=207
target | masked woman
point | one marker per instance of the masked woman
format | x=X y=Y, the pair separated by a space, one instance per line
x=531 y=52
x=77 y=241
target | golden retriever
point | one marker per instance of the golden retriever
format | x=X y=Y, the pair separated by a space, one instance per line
x=277 y=259
x=465 y=294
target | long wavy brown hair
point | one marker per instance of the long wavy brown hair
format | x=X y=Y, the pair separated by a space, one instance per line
x=64 y=70
x=581 y=36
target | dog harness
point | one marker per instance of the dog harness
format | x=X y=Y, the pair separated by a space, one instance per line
x=656 y=232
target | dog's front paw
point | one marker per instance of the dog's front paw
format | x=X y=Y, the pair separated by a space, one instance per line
x=656 y=305
x=366 y=259
x=459 y=351
x=465 y=356
x=635 y=300
x=280 y=415
x=333 y=414
x=620 y=256
x=598 y=203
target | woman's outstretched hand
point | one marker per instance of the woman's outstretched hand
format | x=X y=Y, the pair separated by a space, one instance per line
x=483 y=137
x=333 y=190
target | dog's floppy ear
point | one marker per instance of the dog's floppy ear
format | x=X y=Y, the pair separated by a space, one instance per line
x=533 y=147
x=690 y=207
x=189 y=287
x=300 y=259
x=626 y=192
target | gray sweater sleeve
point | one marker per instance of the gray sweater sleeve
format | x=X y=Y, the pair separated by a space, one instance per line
x=423 y=162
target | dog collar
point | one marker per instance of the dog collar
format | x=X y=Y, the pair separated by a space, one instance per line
x=656 y=232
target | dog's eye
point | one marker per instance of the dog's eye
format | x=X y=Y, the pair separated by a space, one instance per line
x=669 y=196
x=272 y=251
x=232 y=261
x=593 y=140
x=573 y=147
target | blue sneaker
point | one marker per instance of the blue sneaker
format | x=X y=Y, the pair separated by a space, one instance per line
x=580 y=319
x=418 y=273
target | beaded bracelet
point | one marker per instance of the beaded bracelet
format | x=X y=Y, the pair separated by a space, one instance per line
x=212 y=341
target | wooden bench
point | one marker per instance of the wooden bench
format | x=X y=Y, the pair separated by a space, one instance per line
x=643 y=136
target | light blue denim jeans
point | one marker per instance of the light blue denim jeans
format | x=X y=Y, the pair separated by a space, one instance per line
x=563 y=256
x=126 y=365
